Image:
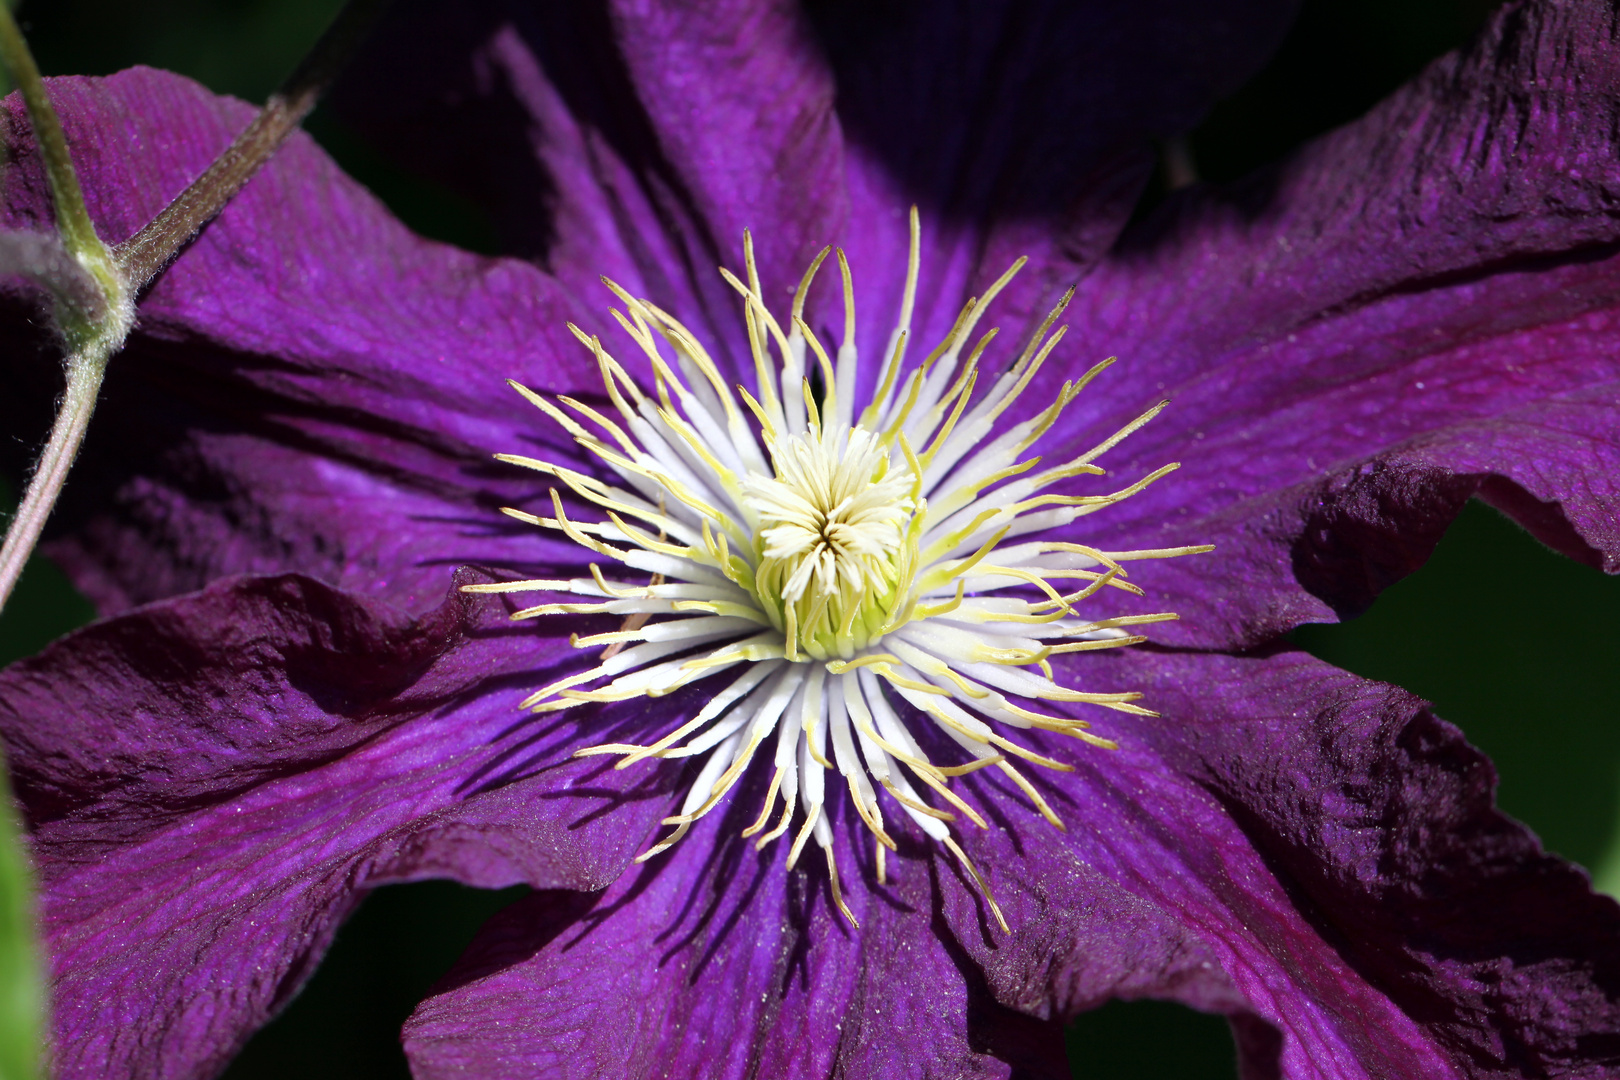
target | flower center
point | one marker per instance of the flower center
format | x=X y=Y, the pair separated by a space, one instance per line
x=873 y=590
x=832 y=532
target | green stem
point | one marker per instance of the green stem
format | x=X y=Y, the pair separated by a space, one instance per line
x=72 y=219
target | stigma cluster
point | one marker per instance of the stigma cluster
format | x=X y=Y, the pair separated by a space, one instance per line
x=847 y=573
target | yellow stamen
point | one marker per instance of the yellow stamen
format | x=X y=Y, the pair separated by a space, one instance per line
x=984 y=886
x=802 y=537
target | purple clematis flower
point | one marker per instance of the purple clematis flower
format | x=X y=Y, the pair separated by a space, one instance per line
x=293 y=702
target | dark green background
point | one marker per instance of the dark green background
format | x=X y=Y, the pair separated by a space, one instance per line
x=1513 y=643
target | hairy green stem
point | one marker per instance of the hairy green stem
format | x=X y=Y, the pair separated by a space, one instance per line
x=94 y=332
x=67 y=434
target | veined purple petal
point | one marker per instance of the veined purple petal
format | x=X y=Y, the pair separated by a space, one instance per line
x=214 y=782
x=1310 y=853
x=1021 y=130
x=713 y=962
x=1416 y=308
x=1333 y=846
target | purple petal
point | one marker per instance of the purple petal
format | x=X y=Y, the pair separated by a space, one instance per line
x=714 y=962
x=1310 y=853
x=730 y=113
x=1022 y=131
x=1417 y=308
x=215 y=781
x=1334 y=848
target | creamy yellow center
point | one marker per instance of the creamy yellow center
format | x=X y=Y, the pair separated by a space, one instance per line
x=831 y=544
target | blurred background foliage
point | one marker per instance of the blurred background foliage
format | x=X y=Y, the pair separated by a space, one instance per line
x=1514 y=644
x=21 y=982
